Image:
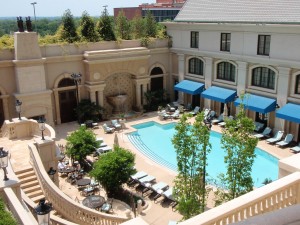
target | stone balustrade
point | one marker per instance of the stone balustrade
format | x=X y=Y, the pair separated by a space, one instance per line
x=276 y=195
x=63 y=205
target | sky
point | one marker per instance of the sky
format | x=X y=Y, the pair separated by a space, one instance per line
x=49 y=8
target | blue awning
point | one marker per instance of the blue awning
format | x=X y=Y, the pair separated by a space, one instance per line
x=190 y=87
x=290 y=112
x=257 y=103
x=219 y=94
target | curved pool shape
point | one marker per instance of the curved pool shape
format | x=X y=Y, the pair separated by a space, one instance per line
x=154 y=141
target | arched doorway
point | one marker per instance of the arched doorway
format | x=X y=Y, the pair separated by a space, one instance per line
x=2 y=118
x=157 y=79
x=67 y=101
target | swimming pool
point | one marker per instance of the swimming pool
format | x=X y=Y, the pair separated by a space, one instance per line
x=154 y=141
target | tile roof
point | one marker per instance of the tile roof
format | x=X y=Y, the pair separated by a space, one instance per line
x=240 y=11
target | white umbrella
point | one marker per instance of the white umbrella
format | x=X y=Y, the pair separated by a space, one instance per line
x=116 y=140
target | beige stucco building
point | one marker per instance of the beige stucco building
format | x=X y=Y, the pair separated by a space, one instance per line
x=40 y=76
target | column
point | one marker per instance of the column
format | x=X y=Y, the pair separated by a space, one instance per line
x=181 y=69
x=282 y=93
x=138 y=95
x=144 y=91
x=92 y=96
x=241 y=77
x=5 y=106
x=57 y=108
x=208 y=76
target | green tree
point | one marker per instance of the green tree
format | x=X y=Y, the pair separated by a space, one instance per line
x=87 y=29
x=5 y=216
x=191 y=142
x=239 y=145
x=81 y=143
x=137 y=27
x=67 y=30
x=150 y=25
x=105 y=27
x=122 y=27
x=87 y=110
x=114 y=169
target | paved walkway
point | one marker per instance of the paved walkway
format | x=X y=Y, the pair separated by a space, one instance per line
x=155 y=214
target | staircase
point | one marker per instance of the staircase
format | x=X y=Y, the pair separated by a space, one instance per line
x=30 y=184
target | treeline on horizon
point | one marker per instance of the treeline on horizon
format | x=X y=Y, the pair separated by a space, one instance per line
x=70 y=29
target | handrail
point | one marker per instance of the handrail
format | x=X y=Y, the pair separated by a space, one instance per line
x=276 y=195
x=65 y=206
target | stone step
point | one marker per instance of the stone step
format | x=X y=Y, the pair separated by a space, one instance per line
x=23 y=170
x=26 y=174
x=36 y=199
x=28 y=179
x=30 y=184
x=35 y=193
x=31 y=189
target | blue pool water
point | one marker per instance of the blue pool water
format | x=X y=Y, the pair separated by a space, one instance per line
x=154 y=140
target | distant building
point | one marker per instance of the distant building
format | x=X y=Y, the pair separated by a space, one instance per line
x=162 y=10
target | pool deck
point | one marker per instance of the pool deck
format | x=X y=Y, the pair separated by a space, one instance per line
x=156 y=213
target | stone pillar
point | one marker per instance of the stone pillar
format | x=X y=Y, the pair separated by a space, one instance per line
x=181 y=69
x=208 y=76
x=57 y=108
x=282 y=93
x=138 y=95
x=5 y=106
x=47 y=152
x=242 y=77
x=92 y=96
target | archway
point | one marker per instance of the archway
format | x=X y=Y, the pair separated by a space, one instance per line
x=67 y=100
x=157 y=79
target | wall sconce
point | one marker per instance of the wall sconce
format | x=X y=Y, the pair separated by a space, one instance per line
x=4 y=162
x=42 y=126
x=43 y=212
x=18 y=107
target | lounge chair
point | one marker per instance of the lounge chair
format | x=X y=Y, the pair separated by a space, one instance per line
x=104 y=149
x=223 y=124
x=287 y=140
x=146 y=179
x=218 y=120
x=258 y=126
x=195 y=111
x=277 y=137
x=171 y=109
x=108 y=129
x=135 y=177
x=266 y=133
x=116 y=124
x=168 y=195
x=155 y=187
x=296 y=149
x=175 y=115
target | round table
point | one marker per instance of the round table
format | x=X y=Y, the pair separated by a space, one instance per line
x=83 y=182
x=93 y=201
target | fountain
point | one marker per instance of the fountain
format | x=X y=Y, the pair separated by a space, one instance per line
x=117 y=102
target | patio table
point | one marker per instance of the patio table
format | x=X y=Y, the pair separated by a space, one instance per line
x=93 y=201
x=67 y=170
x=83 y=182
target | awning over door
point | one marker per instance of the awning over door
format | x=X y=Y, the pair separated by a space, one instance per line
x=290 y=112
x=257 y=103
x=189 y=87
x=219 y=94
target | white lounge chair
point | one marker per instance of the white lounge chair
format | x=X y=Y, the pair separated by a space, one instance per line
x=175 y=115
x=218 y=120
x=168 y=194
x=296 y=149
x=195 y=111
x=266 y=133
x=277 y=137
x=116 y=124
x=147 y=179
x=155 y=187
x=287 y=140
x=108 y=129
x=104 y=149
x=135 y=177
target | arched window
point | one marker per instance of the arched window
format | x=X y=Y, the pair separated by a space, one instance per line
x=156 y=71
x=297 y=86
x=195 y=66
x=263 y=77
x=226 y=71
x=66 y=82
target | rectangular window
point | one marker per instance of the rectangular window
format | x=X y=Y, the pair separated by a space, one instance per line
x=263 y=45
x=225 y=42
x=194 y=39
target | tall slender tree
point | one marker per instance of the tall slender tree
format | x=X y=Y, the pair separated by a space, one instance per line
x=191 y=142
x=239 y=145
x=67 y=30
x=87 y=28
x=122 y=27
x=137 y=27
x=150 y=25
x=105 y=27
